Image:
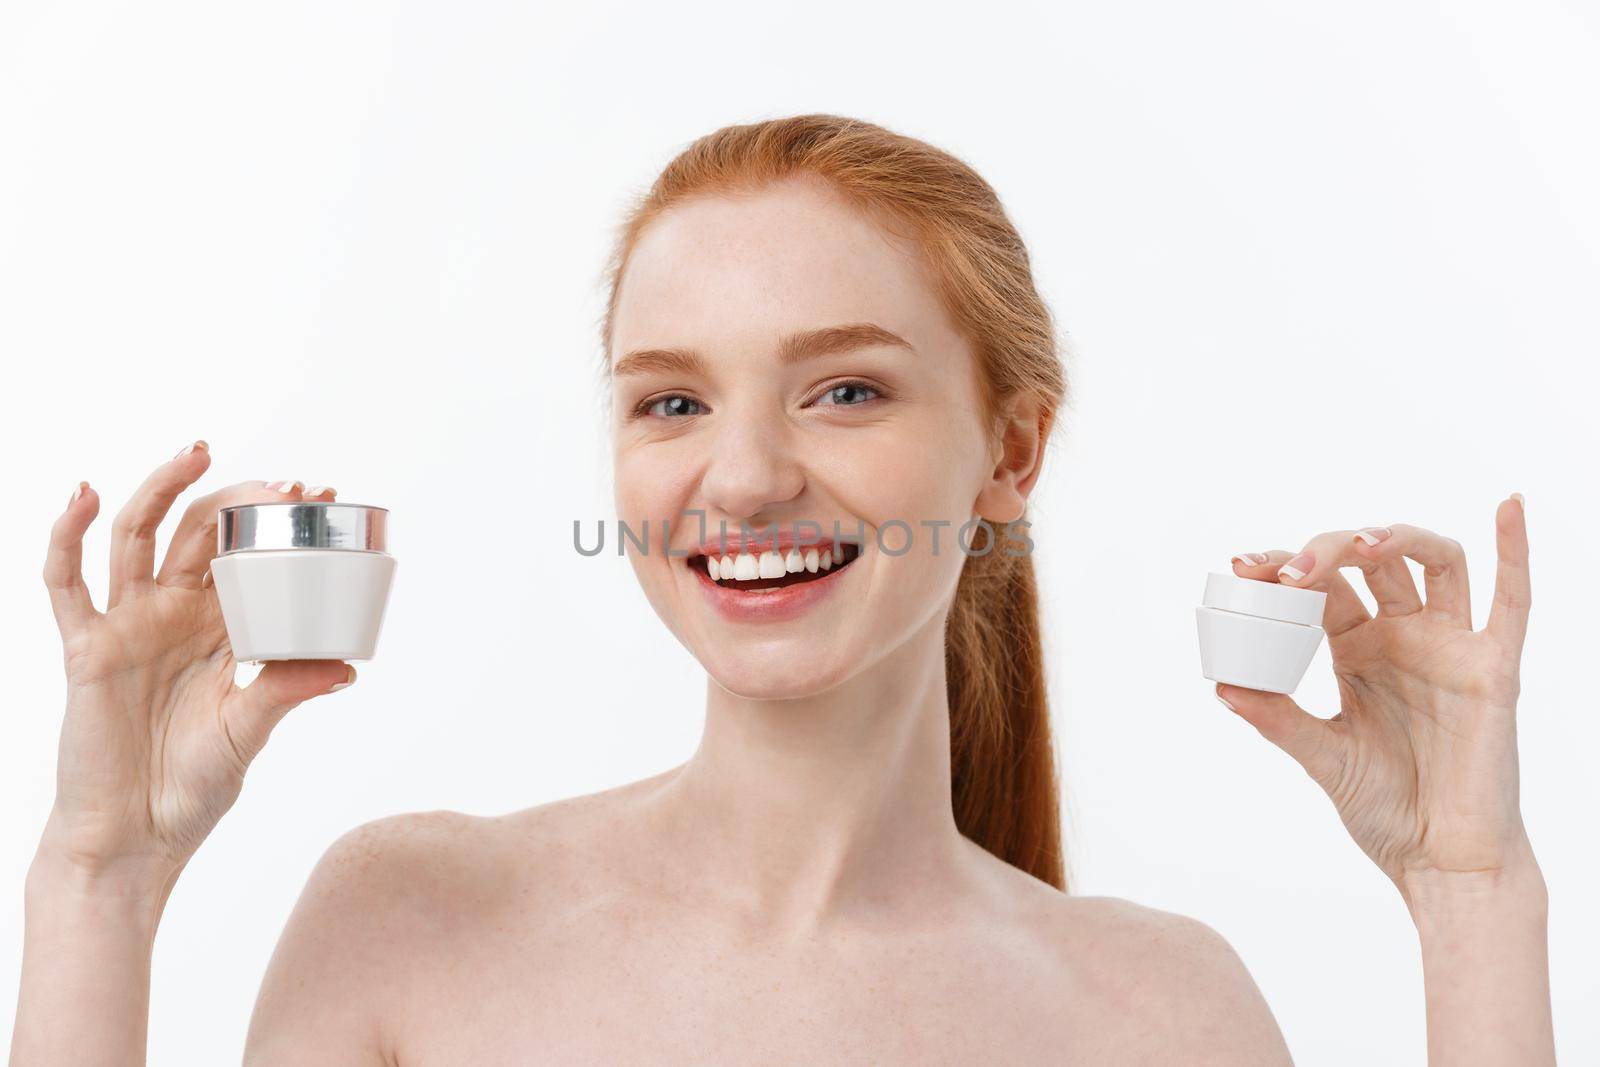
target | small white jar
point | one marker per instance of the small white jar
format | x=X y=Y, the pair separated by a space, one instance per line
x=1259 y=635
x=303 y=579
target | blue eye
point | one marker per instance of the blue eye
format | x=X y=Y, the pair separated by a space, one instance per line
x=672 y=406
x=848 y=394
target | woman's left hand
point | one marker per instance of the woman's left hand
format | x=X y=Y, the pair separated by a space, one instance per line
x=1421 y=760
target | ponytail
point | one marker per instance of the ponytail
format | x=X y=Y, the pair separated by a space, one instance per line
x=1002 y=765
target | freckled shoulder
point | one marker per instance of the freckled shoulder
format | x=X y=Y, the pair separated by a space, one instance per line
x=383 y=896
x=397 y=901
x=571 y=834
x=1181 y=988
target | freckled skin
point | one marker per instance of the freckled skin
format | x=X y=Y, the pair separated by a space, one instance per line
x=731 y=278
x=797 y=892
x=567 y=933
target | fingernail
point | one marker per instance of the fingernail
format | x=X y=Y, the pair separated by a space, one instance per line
x=285 y=487
x=191 y=448
x=349 y=677
x=1250 y=559
x=1518 y=498
x=1374 y=534
x=76 y=493
x=318 y=490
x=1298 y=567
x=1225 y=704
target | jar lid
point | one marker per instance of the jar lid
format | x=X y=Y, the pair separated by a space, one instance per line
x=302 y=524
x=1268 y=600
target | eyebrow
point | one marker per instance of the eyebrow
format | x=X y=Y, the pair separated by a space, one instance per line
x=796 y=348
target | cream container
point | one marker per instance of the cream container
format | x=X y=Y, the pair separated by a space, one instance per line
x=1259 y=635
x=303 y=579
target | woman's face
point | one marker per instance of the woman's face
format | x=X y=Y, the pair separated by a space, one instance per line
x=732 y=397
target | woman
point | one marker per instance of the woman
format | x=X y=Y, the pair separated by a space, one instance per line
x=811 y=321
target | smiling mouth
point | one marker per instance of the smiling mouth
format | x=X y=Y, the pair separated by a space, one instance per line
x=752 y=572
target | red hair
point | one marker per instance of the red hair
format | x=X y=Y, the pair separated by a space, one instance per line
x=1003 y=781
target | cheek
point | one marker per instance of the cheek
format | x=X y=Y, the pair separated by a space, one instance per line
x=911 y=472
x=652 y=483
x=914 y=490
x=649 y=485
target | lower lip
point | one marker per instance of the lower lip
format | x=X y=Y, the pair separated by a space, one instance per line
x=766 y=605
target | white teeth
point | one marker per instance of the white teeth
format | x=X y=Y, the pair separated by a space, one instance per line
x=751 y=566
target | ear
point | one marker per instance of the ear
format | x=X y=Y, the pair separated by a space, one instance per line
x=1018 y=447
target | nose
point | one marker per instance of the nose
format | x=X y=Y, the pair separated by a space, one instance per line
x=751 y=467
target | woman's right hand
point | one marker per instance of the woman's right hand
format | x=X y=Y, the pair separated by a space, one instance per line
x=157 y=737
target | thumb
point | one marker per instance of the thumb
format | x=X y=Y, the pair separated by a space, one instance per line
x=1314 y=743
x=281 y=686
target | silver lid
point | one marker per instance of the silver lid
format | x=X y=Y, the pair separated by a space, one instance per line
x=302 y=524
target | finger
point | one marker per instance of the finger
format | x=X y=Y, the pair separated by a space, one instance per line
x=1316 y=744
x=1386 y=576
x=1513 y=592
x=70 y=601
x=133 y=531
x=194 y=543
x=1444 y=569
x=1343 y=610
x=250 y=714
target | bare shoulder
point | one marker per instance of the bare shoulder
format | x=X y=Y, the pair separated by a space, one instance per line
x=400 y=863
x=433 y=871
x=429 y=863
x=1177 y=983
x=382 y=894
x=394 y=903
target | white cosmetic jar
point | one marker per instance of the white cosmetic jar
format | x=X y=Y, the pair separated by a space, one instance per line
x=1259 y=635
x=303 y=579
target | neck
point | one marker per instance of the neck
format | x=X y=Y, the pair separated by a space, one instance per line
x=799 y=810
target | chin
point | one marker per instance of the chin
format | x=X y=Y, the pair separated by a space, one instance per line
x=777 y=673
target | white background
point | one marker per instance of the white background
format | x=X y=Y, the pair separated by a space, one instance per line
x=1319 y=267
